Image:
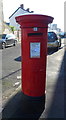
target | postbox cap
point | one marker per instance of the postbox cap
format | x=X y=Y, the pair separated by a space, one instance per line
x=34 y=18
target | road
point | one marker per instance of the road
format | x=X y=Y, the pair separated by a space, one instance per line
x=11 y=68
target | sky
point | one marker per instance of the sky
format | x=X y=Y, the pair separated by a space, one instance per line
x=54 y=8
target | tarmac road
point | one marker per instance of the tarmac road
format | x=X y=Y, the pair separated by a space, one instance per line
x=11 y=68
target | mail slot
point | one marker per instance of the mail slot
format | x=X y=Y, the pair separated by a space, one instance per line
x=34 y=51
x=35 y=34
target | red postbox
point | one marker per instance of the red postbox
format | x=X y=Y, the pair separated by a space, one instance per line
x=34 y=51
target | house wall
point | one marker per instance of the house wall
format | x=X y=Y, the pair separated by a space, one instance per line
x=12 y=18
x=1 y=16
x=18 y=35
x=7 y=29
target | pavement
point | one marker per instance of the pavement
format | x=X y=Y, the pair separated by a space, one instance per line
x=21 y=107
x=24 y=107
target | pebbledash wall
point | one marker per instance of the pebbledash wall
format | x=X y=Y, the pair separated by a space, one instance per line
x=1 y=16
x=65 y=16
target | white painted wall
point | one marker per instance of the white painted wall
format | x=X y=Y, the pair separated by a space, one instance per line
x=17 y=13
x=1 y=16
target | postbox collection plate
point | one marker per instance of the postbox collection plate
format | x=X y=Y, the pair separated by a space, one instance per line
x=34 y=49
x=35 y=29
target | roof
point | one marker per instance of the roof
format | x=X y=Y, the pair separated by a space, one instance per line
x=27 y=10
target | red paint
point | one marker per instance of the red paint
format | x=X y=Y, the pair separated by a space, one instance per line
x=34 y=69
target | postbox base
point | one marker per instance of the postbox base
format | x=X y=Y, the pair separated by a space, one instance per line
x=34 y=98
x=32 y=107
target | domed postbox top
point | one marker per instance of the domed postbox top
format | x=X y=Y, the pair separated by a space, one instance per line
x=34 y=18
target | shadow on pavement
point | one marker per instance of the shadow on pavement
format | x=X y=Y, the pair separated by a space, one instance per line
x=18 y=59
x=21 y=106
x=57 y=106
x=53 y=50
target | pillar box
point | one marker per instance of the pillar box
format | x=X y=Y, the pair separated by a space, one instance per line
x=34 y=51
